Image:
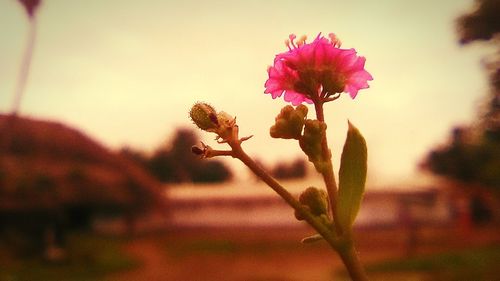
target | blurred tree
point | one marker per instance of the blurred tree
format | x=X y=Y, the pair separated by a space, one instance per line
x=211 y=171
x=291 y=170
x=174 y=162
x=134 y=155
x=472 y=154
x=483 y=24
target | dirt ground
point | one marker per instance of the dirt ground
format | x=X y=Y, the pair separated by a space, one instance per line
x=276 y=254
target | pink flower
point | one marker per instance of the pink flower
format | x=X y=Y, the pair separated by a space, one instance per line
x=316 y=72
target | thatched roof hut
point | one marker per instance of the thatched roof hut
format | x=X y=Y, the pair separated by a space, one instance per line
x=47 y=165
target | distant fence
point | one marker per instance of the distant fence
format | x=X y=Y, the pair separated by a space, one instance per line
x=379 y=208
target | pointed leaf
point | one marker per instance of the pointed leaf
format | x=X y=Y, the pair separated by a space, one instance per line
x=312 y=239
x=352 y=177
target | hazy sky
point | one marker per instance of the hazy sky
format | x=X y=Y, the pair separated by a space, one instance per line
x=127 y=72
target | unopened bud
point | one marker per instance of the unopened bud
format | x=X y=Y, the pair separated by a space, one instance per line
x=316 y=199
x=299 y=216
x=196 y=150
x=204 y=116
x=289 y=122
x=310 y=142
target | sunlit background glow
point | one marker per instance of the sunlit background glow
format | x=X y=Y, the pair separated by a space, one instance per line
x=127 y=72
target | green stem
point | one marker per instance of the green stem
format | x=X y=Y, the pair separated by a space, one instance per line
x=347 y=250
x=340 y=240
x=318 y=225
x=344 y=245
x=327 y=173
x=349 y=256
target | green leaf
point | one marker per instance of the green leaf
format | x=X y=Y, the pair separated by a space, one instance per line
x=352 y=177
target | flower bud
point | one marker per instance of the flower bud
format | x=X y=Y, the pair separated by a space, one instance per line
x=289 y=122
x=196 y=150
x=310 y=143
x=298 y=215
x=316 y=199
x=204 y=116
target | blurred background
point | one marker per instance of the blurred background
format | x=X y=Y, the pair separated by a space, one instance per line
x=97 y=181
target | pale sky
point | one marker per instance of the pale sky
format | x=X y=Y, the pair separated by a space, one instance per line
x=127 y=72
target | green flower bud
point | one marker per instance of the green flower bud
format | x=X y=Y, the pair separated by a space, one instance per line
x=204 y=116
x=310 y=142
x=316 y=199
x=289 y=122
x=299 y=216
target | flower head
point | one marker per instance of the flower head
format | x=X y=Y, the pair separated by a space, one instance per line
x=314 y=72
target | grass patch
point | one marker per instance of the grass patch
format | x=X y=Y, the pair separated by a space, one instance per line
x=473 y=264
x=180 y=247
x=209 y=247
x=89 y=257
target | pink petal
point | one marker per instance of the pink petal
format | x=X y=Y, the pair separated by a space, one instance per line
x=313 y=65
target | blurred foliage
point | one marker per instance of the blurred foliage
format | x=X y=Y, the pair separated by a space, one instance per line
x=173 y=161
x=483 y=23
x=468 y=159
x=289 y=170
x=472 y=155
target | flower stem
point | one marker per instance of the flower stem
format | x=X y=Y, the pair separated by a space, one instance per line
x=349 y=256
x=327 y=173
x=347 y=250
x=317 y=224
x=25 y=67
x=343 y=245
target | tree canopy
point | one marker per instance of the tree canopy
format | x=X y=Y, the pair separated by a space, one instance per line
x=472 y=154
x=173 y=161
